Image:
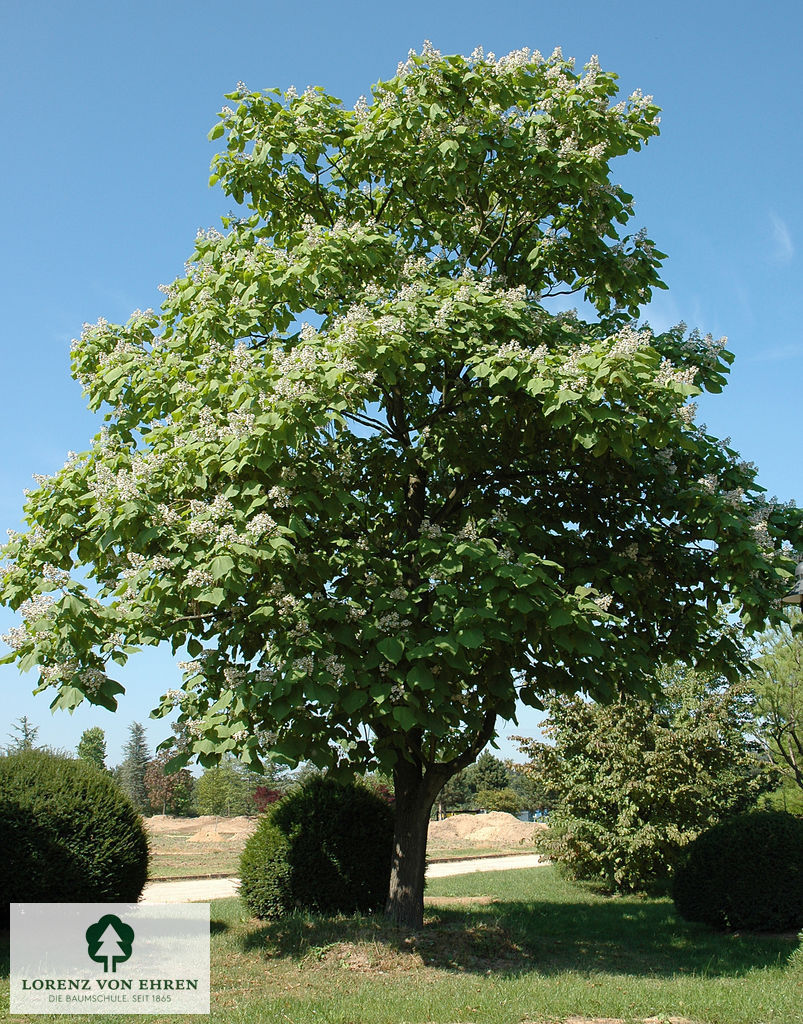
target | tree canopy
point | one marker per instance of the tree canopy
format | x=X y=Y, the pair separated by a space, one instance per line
x=358 y=468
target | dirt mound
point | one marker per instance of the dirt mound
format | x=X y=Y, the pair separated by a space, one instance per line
x=493 y=829
x=208 y=828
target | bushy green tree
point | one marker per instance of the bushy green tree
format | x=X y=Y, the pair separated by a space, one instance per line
x=455 y=795
x=506 y=799
x=778 y=682
x=638 y=780
x=92 y=747
x=168 y=792
x=360 y=470
x=533 y=791
x=131 y=776
x=226 y=789
x=487 y=773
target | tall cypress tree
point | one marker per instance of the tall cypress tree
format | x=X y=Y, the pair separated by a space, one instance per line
x=134 y=766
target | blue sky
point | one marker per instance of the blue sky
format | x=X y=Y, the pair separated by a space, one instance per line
x=105 y=166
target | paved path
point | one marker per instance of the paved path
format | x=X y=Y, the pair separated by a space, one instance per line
x=466 y=867
x=202 y=889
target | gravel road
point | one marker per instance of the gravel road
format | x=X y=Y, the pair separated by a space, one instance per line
x=203 y=889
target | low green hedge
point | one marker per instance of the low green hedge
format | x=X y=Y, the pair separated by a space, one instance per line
x=69 y=834
x=746 y=873
x=325 y=847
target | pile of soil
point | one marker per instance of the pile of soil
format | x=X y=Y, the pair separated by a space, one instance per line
x=207 y=828
x=497 y=828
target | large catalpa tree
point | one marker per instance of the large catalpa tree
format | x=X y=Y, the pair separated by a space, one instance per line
x=357 y=469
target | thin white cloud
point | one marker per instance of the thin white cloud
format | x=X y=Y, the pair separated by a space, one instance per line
x=782 y=239
x=778 y=354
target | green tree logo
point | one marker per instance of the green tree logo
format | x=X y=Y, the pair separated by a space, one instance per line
x=109 y=942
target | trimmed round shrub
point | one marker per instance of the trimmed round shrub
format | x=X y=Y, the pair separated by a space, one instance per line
x=324 y=847
x=68 y=834
x=744 y=874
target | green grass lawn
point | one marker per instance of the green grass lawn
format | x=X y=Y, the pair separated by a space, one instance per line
x=497 y=948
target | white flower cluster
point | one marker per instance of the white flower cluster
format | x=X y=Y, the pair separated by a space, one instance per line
x=260 y=525
x=734 y=497
x=240 y=424
x=202 y=529
x=306 y=664
x=686 y=413
x=126 y=484
x=123 y=352
x=668 y=374
x=469 y=532
x=53 y=574
x=235 y=675
x=335 y=668
x=175 y=697
x=280 y=497
x=166 y=516
x=703 y=350
x=603 y=602
x=16 y=638
x=391 y=623
x=199 y=578
x=513 y=351
x=90 y=680
x=638 y=101
x=242 y=359
x=36 y=607
x=59 y=671
x=627 y=342
x=570 y=367
x=430 y=530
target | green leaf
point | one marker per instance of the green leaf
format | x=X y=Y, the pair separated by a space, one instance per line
x=221 y=566
x=405 y=717
x=392 y=649
x=471 y=637
x=421 y=678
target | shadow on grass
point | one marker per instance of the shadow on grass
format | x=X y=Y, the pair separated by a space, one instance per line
x=635 y=937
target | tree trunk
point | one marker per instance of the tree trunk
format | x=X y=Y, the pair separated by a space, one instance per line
x=414 y=798
x=415 y=790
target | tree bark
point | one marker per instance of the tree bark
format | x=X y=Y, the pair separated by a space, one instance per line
x=415 y=792
x=414 y=796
